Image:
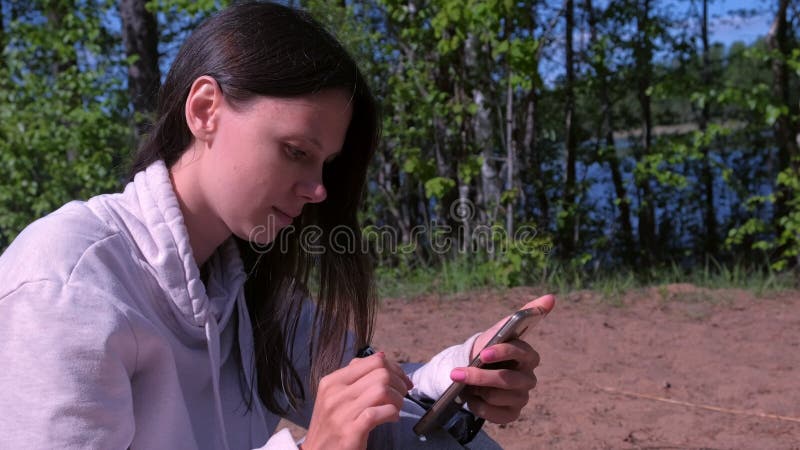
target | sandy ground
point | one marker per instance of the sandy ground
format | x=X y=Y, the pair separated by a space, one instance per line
x=664 y=368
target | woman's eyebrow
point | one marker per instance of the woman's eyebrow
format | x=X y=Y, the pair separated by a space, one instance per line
x=316 y=144
x=310 y=140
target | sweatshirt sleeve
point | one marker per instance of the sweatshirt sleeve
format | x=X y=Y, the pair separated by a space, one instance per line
x=433 y=378
x=282 y=440
x=68 y=356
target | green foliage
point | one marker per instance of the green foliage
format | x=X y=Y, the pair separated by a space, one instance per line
x=516 y=266
x=509 y=196
x=785 y=244
x=470 y=168
x=65 y=125
x=62 y=117
x=191 y=7
x=414 y=164
x=437 y=187
x=441 y=72
x=518 y=260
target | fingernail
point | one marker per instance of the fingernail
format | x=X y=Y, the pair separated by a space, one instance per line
x=487 y=355
x=458 y=375
x=381 y=355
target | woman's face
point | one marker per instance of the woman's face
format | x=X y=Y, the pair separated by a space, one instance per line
x=266 y=158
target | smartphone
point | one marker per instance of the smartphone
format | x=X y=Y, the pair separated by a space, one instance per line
x=446 y=406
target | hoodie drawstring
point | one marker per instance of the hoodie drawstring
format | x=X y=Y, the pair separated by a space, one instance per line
x=212 y=336
x=245 y=335
x=248 y=365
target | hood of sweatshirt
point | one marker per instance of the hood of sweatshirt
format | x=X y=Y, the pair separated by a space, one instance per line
x=148 y=209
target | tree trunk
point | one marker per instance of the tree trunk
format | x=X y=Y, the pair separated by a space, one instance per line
x=510 y=157
x=2 y=31
x=569 y=229
x=489 y=182
x=462 y=222
x=140 y=36
x=534 y=162
x=610 y=153
x=530 y=137
x=643 y=57
x=3 y=44
x=707 y=176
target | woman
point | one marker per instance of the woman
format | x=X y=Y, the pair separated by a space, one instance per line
x=161 y=317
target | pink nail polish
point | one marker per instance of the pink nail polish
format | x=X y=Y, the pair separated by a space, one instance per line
x=488 y=355
x=458 y=375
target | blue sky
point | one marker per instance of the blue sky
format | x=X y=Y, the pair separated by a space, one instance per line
x=726 y=25
x=727 y=29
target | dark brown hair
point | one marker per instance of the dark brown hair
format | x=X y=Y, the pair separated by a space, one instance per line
x=264 y=49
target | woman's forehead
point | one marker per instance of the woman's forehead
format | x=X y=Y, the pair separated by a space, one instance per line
x=317 y=120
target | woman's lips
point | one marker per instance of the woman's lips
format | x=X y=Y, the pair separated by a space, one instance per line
x=282 y=216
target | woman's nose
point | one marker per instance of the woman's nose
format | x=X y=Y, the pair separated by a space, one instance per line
x=311 y=191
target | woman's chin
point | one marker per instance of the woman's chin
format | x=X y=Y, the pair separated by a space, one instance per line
x=262 y=235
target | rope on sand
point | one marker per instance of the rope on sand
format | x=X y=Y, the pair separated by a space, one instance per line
x=698 y=405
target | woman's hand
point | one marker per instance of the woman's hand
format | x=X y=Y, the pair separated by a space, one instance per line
x=355 y=399
x=499 y=395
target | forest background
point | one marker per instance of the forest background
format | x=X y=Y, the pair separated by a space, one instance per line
x=574 y=143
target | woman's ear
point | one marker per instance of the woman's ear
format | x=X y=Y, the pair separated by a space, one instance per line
x=202 y=107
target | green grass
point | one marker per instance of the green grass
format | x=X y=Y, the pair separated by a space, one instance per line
x=464 y=275
x=761 y=280
x=451 y=277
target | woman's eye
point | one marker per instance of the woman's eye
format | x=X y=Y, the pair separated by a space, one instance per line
x=295 y=153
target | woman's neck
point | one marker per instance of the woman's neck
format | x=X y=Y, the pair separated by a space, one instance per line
x=206 y=230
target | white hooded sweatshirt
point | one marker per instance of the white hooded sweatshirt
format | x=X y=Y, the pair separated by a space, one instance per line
x=110 y=340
